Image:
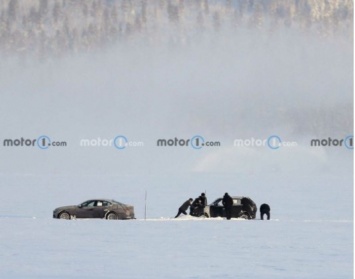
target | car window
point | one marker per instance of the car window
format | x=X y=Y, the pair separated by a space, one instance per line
x=106 y=203
x=89 y=204
x=99 y=203
x=218 y=202
x=237 y=201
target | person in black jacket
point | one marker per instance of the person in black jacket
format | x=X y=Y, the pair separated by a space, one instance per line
x=184 y=207
x=227 y=202
x=264 y=209
x=203 y=200
x=197 y=207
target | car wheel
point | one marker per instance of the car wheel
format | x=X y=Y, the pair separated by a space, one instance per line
x=112 y=216
x=64 y=215
x=245 y=216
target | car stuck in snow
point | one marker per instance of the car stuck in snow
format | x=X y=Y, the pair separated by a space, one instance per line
x=243 y=207
x=97 y=208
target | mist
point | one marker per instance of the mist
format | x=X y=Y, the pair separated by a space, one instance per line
x=234 y=70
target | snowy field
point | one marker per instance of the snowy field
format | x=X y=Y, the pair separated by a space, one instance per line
x=161 y=248
x=310 y=234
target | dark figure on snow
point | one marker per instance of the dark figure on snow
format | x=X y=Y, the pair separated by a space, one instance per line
x=264 y=209
x=227 y=202
x=194 y=208
x=200 y=205
x=203 y=199
x=184 y=207
x=197 y=206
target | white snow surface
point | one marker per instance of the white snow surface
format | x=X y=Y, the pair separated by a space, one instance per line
x=310 y=234
x=46 y=248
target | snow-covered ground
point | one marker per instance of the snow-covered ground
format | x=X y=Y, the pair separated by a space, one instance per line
x=162 y=248
x=310 y=234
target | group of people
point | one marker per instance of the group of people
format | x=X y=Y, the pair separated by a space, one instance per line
x=198 y=205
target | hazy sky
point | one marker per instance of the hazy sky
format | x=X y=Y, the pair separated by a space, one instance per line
x=226 y=84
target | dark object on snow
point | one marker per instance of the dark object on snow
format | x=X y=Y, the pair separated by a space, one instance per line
x=198 y=206
x=101 y=208
x=203 y=199
x=227 y=202
x=264 y=209
x=243 y=207
x=184 y=207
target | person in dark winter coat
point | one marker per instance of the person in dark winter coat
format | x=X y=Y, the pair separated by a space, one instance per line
x=227 y=202
x=184 y=207
x=203 y=199
x=197 y=207
x=264 y=209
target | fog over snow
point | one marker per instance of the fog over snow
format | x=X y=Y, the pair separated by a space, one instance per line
x=231 y=72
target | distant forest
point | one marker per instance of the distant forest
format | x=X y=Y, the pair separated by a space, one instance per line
x=49 y=28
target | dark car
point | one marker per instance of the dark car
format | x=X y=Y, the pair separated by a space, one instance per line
x=243 y=207
x=100 y=208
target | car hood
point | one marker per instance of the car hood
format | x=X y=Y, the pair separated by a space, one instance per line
x=68 y=207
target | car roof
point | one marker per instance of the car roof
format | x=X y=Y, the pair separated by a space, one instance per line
x=108 y=200
x=233 y=197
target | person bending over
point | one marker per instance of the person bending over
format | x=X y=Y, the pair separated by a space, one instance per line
x=264 y=209
x=184 y=207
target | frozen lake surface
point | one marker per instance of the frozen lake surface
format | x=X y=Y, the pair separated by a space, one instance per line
x=163 y=248
x=310 y=234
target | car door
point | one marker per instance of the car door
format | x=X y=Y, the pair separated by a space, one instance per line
x=217 y=209
x=101 y=208
x=86 y=210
